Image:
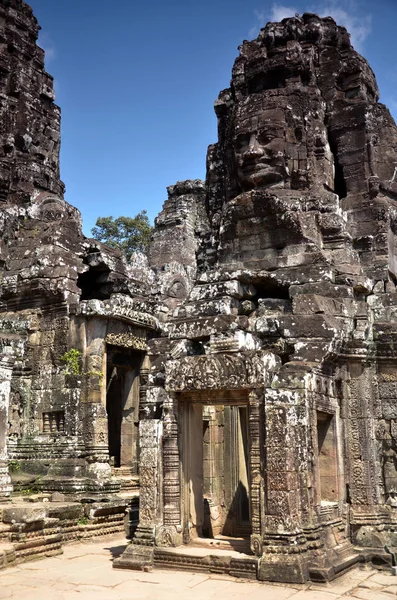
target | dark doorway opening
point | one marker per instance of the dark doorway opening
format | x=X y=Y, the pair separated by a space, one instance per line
x=122 y=405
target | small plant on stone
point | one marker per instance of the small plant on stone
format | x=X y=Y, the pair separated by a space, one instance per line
x=72 y=360
x=14 y=466
x=33 y=488
x=95 y=373
x=83 y=521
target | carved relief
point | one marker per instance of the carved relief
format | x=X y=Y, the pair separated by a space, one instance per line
x=93 y=424
x=145 y=515
x=256 y=544
x=126 y=340
x=177 y=288
x=123 y=335
x=390 y=472
x=16 y=415
x=118 y=308
x=226 y=371
x=168 y=537
x=147 y=476
x=255 y=462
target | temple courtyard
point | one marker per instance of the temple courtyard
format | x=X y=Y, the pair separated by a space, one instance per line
x=84 y=572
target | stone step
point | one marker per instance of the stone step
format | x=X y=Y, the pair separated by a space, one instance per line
x=221 y=542
x=124 y=472
x=190 y=558
x=344 y=559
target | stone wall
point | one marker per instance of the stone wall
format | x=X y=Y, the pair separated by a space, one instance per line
x=267 y=298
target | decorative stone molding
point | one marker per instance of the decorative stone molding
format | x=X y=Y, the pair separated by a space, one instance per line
x=127 y=340
x=221 y=371
x=118 y=307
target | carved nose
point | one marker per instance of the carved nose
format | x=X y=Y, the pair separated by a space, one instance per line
x=254 y=150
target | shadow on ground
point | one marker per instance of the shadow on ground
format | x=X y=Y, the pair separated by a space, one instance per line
x=116 y=551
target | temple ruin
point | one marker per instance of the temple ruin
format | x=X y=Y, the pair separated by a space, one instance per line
x=242 y=376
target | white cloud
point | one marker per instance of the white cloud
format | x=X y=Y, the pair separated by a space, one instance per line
x=345 y=12
x=260 y=16
x=350 y=16
x=279 y=12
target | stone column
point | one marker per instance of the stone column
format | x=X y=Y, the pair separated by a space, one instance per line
x=360 y=411
x=94 y=419
x=255 y=424
x=285 y=556
x=369 y=411
x=6 y=365
x=170 y=533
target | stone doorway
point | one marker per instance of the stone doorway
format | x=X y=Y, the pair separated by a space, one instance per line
x=122 y=405
x=215 y=464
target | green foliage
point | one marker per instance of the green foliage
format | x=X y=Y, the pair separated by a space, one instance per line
x=33 y=488
x=14 y=466
x=72 y=358
x=83 y=521
x=95 y=373
x=128 y=234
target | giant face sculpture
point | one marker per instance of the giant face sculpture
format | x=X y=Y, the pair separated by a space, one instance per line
x=259 y=146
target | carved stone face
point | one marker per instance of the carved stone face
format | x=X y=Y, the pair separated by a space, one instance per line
x=259 y=146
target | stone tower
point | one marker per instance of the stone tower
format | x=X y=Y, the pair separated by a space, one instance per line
x=276 y=374
x=30 y=133
x=62 y=296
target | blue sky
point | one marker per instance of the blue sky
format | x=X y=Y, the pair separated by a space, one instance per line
x=136 y=82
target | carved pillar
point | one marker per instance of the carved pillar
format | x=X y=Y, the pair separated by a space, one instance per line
x=139 y=554
x=256 y=469
x=93 y=415
x=369 y=409
x=6 y=365
x=172 y=509
x=148 y=459
x=360 y=411
x=282 y=534
x=169 y=534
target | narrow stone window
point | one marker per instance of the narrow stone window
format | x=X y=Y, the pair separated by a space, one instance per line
x=54 y=422
x=327 y=457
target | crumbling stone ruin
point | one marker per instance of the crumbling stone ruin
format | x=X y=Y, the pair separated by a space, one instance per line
x=244 y=369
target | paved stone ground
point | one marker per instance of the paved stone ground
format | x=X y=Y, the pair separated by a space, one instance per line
x=84 y=572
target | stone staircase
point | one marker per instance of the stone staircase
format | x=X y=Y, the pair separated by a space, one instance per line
x=127 y=478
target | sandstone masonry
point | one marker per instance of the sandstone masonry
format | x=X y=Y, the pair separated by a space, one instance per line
x=242 y=375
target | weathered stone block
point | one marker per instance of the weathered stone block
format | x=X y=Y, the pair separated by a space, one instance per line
x=235 y=289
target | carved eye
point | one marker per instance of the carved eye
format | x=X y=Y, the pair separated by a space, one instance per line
x=242 y=141
x=265 y=136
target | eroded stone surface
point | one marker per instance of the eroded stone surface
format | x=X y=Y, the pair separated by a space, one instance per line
x=246 y=367
x=295 y=257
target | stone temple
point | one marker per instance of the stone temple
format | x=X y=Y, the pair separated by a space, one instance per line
x=242 y=376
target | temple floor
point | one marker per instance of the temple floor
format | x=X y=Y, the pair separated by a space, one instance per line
x=84 y=572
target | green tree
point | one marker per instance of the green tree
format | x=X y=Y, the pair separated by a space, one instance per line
x=128 y=234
